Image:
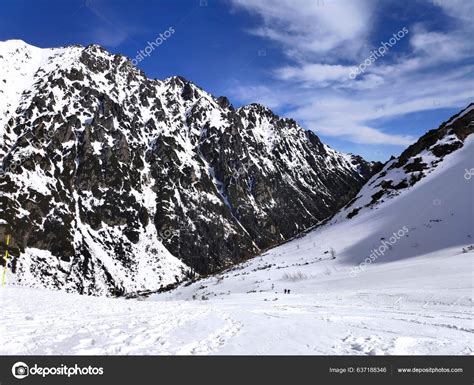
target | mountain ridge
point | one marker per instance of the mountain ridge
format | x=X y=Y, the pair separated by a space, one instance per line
x=414 y=163
x=114 y=182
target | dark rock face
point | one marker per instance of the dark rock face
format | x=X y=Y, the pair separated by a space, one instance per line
x=115 y=183
x=455 y=133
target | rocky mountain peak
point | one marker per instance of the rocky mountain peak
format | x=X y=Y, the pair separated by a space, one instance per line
x=113 y=182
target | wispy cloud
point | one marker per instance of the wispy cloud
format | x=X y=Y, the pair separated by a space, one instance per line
x=312 y=27
x=108 y=37
x=314 y=73
x=105 y=29
x=324 y=40
x=352 y=115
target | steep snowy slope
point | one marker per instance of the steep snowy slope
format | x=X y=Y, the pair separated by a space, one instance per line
x=112 y=182
x=416 y=298
x=18 y=64
x=416 y=162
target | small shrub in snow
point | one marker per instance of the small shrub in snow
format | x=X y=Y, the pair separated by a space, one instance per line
x=293 y=277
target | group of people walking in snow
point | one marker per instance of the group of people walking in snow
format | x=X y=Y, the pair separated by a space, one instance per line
x=286 y=291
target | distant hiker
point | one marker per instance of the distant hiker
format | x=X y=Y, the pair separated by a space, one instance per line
x=284 y=291
x=288 y=291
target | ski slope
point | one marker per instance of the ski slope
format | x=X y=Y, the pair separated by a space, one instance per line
x=416 y=298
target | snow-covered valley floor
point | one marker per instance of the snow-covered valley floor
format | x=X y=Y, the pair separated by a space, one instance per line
x=416 y=298
x=404 y=315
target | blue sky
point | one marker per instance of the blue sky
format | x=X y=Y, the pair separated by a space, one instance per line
x=301 y=58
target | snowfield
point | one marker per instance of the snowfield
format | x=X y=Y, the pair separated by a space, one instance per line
x=414 y=298
x=400 y=314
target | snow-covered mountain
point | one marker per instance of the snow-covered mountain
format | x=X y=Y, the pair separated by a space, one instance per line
x=113 y=182
x=396 y=278
x=415 y=163
x=432 y=216
x=403 y=211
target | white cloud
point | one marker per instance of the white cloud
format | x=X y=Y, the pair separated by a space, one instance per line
x=263 y=94
x=324 y=42
x=109 y=32
x=358 y=116
x=462 y=10
x=108 y=37
x=312 y=27
x=359 y=134
x=314 y=74
x=438 y=46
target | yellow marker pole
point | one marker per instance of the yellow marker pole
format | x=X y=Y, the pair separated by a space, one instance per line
x=6 y=261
